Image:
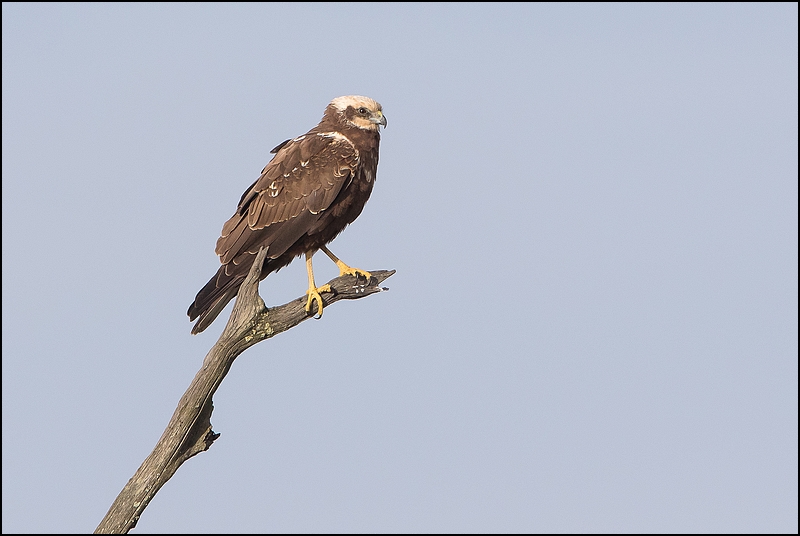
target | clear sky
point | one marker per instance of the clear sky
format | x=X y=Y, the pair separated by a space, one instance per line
x=592 y=211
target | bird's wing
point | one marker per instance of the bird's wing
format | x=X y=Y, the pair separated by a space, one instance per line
x=302 y=180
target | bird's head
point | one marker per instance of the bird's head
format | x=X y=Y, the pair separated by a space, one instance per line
x=360 y=112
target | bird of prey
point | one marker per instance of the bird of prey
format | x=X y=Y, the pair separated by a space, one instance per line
x=314 y=186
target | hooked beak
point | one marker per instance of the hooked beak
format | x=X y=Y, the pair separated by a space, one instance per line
x=379 y=118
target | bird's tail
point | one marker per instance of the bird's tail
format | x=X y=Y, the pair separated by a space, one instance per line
x=213 y=298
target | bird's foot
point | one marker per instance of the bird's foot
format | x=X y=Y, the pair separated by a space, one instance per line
x=314 y=295
x=355 y=272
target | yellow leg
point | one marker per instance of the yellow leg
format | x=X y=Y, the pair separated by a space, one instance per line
x=313 y=290
x=343 y=268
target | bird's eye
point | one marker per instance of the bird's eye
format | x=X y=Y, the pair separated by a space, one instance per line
x=362 y=110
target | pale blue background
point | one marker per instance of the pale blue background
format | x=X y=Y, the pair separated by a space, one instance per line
x=592 y=211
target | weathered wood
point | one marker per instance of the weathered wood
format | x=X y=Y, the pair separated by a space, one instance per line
x=189 y=430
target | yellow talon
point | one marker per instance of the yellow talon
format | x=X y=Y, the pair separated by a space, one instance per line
x=314 y=294
x=345 y=269
x=313 y=291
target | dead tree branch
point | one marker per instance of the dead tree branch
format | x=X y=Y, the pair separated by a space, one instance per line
x=189 y=430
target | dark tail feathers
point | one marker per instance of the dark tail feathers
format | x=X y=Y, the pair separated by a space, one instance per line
x=212 y=299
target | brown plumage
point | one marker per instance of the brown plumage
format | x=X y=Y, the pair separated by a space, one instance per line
x=314 y=186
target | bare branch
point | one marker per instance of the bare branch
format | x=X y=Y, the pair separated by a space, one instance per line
x=189 y=430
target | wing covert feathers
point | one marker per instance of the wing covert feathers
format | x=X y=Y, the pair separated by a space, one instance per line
x=305 y=175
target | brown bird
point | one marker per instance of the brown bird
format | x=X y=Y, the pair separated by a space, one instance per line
x=314 y=186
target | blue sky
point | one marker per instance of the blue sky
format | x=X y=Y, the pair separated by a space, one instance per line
x=592 y=211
